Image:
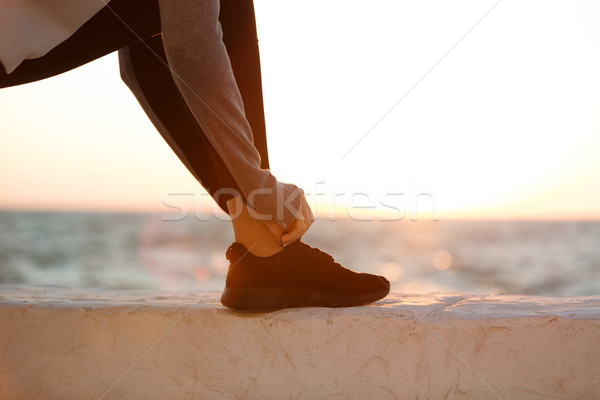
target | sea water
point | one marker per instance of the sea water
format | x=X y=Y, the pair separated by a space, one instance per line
x=147 y=251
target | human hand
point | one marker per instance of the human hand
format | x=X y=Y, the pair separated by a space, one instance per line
x=296 y=229
x=303 y=221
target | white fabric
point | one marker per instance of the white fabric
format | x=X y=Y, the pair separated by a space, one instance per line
x=31 y=28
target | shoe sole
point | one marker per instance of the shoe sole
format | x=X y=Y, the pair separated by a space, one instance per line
x=262 y=300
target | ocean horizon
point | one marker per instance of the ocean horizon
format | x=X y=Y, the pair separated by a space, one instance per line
x=147 y=251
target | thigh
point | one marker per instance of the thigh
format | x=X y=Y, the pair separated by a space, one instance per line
x=119 y=24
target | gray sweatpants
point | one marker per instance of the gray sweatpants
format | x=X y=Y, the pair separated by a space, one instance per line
x=201 y=68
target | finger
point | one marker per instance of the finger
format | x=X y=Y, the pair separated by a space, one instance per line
x=304 y=219
x=309 y=215
x=298 y=228
x=296 y=231
x=306 y=216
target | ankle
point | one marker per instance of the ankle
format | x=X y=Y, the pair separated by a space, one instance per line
x=256 y=235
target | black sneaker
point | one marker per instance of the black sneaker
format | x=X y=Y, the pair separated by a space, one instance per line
x=297 y=276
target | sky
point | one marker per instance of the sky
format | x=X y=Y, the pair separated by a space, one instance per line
x=386 y=108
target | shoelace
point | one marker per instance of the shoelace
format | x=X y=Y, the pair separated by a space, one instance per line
x=323 y=255
x=331 y=263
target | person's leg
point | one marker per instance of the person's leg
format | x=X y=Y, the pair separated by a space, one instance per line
x=254 y=234
x=119 y=24
x=262 y=275
x=202 y=71
x=144 y=68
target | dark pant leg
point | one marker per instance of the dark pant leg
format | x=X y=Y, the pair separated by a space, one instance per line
x=144 y=68
x=240 y=37
x=104 y=33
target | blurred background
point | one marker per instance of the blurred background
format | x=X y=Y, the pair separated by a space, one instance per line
x=451 y=147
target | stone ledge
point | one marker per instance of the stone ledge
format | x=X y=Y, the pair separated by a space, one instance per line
x=61 y=343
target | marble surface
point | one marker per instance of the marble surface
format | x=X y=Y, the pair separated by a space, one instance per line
x=58 y=343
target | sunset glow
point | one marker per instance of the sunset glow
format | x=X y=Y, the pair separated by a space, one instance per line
x=506 y=125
